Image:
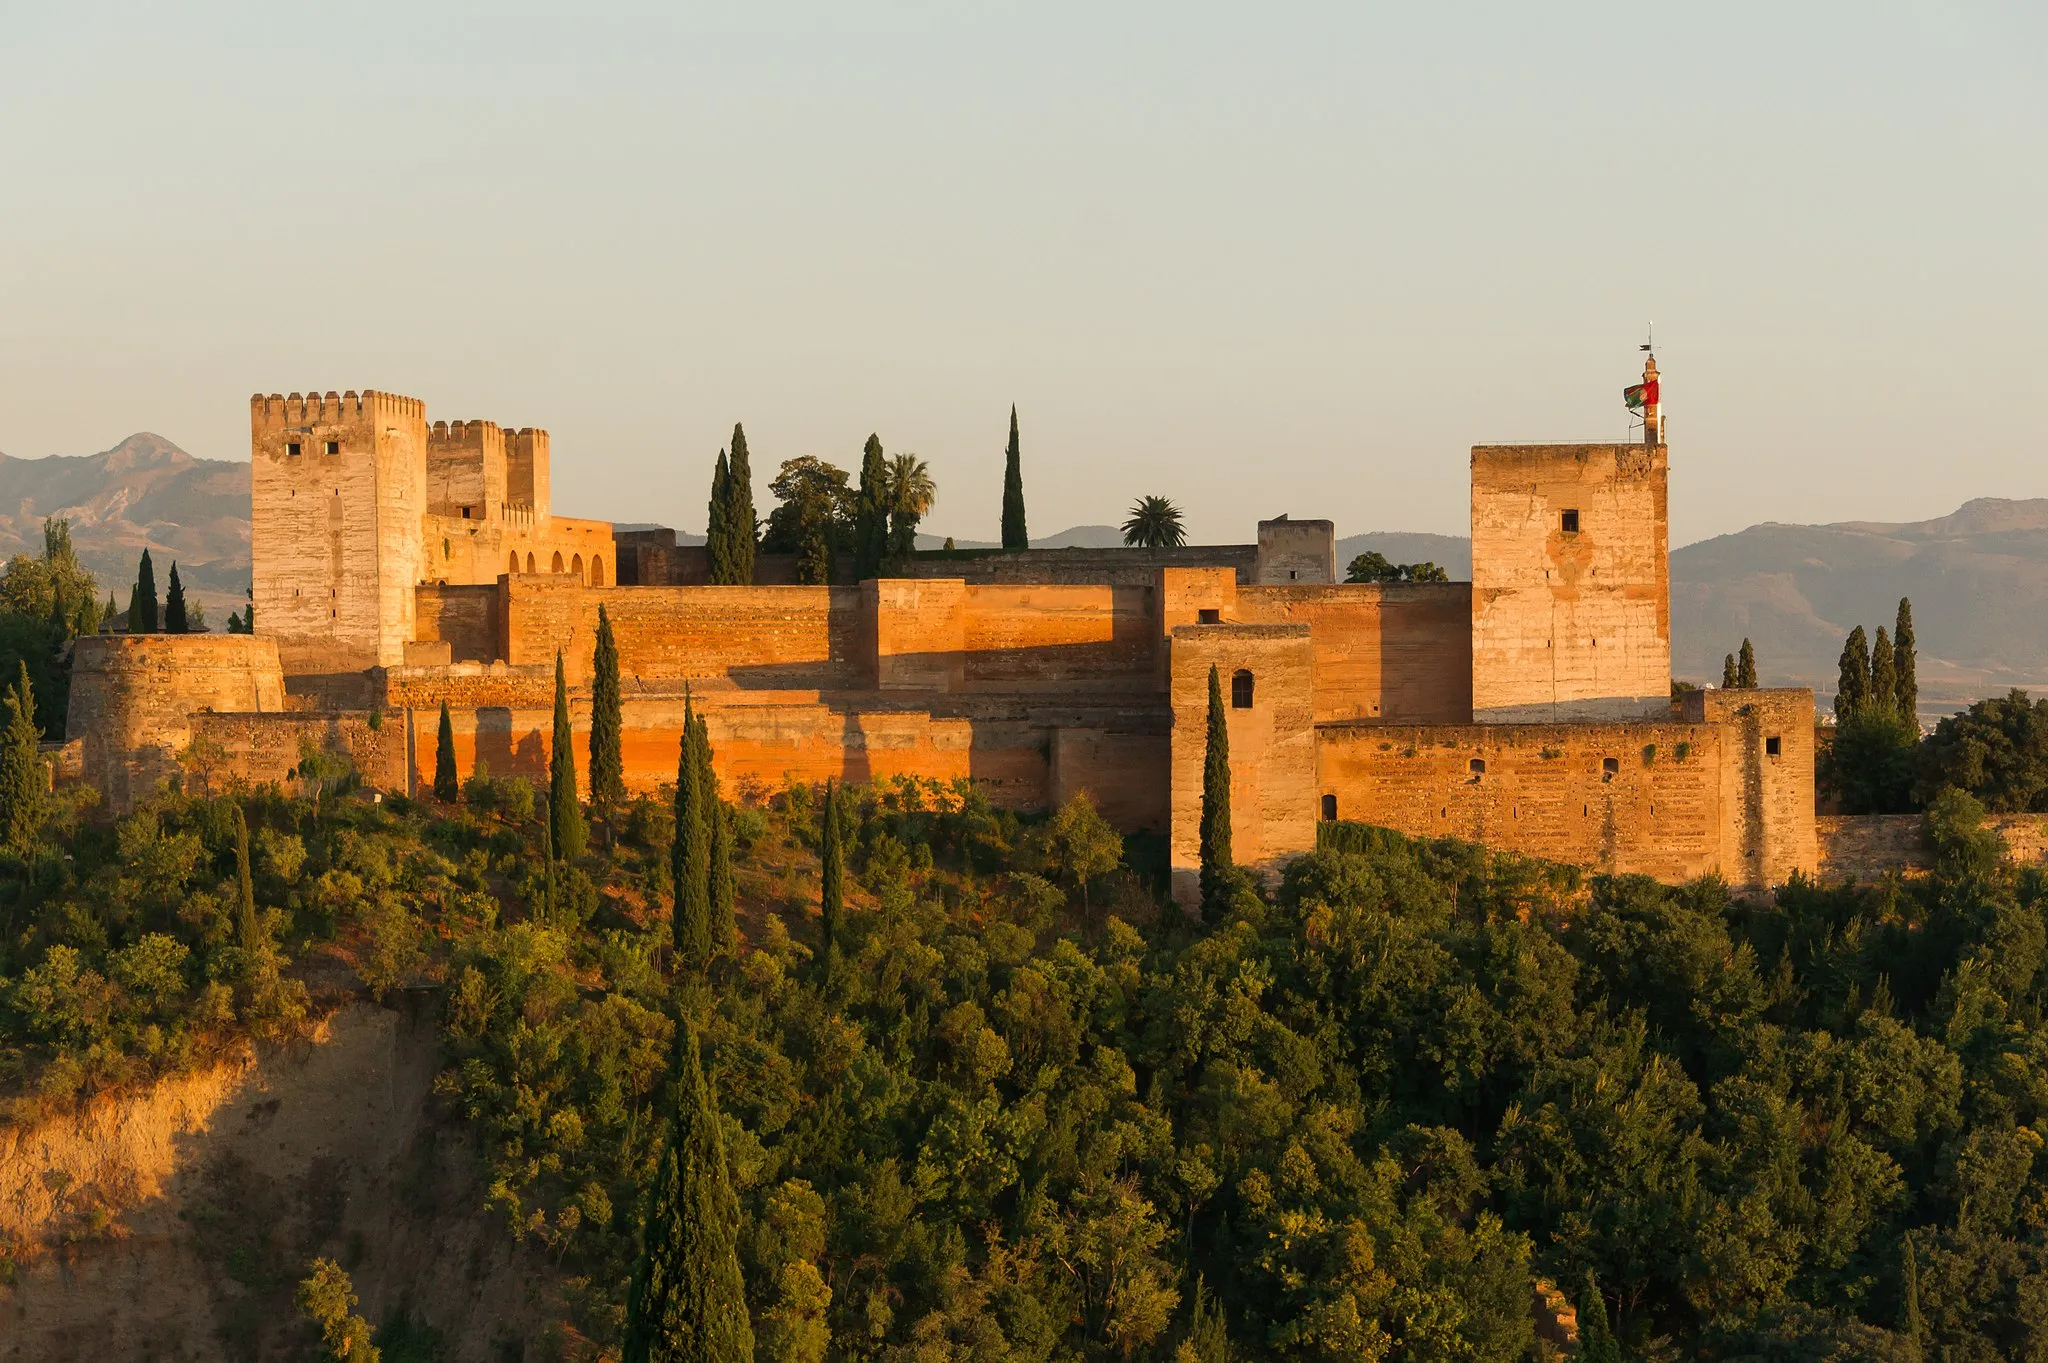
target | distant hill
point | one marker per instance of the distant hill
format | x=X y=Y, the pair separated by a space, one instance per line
x=143 y=492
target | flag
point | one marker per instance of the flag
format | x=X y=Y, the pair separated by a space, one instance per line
x=1640 y=395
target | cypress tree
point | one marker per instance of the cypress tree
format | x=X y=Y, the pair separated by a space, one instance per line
x=719 y=885
x=831 y=879
x=546 y=907
x=687 y=1303
x=1728 y=682
x=1884 y=677
x=1013 y=492
x=1596 y=1342
x=248 y=927
x=607 y=722
x=1907 y=684
x=447 y=787
x=740 y=529
x=1745 y=667
x=142 y=618
x=174 y=605
x=690 y=857
x=1909 y=1291
x=565 y=815
x=1216 y=862
x=871 y=513
x=109 y=615
x=716 y=540
x=23 y=783
x=1852 y=685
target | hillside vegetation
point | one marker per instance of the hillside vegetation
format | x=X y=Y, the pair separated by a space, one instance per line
x=1030 y=1115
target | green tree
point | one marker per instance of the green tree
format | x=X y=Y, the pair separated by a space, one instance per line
x=687 y=1303
x=1154 y=523
x=1014 y=536
x=723 y=931
x=911 y=494
x=831 y=877
x=249 y=934
x=1910 y=1324
x=1216 y=864
x=1905 y=660
x=1079 y=844
x=1596 y=1341
x=717 y=543
x=814 y=508
x=24 y=784
x=142 y=610
x=871 y=513
x=1884 y=677
x=327 y=1299
x=54 y=587
x=175 y=621
x=1870 y=764
x=607 y=720
x=1997 y=750
x=447 y=785
x=1745 y=667
x=740 y=527
x=1852 y=689
x=565 y=813
x=1728 y=673
x=1372 y=566
x=690 y=855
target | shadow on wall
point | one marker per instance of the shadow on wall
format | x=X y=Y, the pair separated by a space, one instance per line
x=505 y=752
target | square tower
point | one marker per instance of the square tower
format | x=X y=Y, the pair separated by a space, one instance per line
x=339 y=484
x=466 y=470
x=1571 y=583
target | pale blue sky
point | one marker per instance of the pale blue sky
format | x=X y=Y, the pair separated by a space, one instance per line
x=1258 y=258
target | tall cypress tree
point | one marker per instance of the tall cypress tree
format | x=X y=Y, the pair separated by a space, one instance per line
x=1013 y=492
x=1216 y=861
x=719 y=887
x=174 y=605
x=742 y=533
x=1852 y=685
x=690 y=858
x=1884 y=676
x=871 y=513
x=1728 y=682
x=1909 y=1291
x=447 y=786
x=565 y=814
x=831 y=879
x=1904 y=655
x=248 y=927
x=607 y=720
x=1596 y=1342
x=717 y=543
x=1745 y=667
x=687 y=1302
x=142 y=616
x=23 y=783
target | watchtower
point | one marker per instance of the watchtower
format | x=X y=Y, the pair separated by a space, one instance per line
x=339 y=484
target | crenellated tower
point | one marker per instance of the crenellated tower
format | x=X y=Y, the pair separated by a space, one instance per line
x=339 y=485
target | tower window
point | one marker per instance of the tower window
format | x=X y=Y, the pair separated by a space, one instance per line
x=334 y=447
x=1240 y=690
x=1609 y=768
x=1329 y=809
x=1209 y=617
x=465 y=513
x=291 y=448
x=1478 y=767
x=1571 y=522
x=1772 y=745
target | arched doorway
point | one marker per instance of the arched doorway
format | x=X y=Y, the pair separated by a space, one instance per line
x=512 y=565
x=529 y=561
x=558 y=562
x=596 y=571
x=576 y=567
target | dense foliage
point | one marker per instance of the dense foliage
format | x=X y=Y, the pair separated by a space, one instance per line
x=1373 y=566
x=1033 y=1114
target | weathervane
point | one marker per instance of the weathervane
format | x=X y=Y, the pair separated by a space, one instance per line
x=1641 y=398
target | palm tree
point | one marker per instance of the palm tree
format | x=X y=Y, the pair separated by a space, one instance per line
x=1154 y=524
x=911 y=494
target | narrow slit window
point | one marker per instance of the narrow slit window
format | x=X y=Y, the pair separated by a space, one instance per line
x=1571 y=521
x=1240 y=690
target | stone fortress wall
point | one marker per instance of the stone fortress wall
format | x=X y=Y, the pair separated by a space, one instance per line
x=401 y=565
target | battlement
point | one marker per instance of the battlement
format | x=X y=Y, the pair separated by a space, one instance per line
x=278 y=410
x=466 y=434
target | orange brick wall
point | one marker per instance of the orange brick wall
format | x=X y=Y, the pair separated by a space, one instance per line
x=1078 y=638
x=1767 y=799
x=1398 y=653
x=1544 y=790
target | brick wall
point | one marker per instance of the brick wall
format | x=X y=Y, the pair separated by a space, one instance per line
x=1767 y=795
x=1398 y=653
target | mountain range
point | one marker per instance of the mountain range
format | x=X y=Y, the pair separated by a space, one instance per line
x=1978 y=577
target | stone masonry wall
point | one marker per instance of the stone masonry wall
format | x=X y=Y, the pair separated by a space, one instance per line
x=1398 y=653
x=1571 y=591
x=1767 y=796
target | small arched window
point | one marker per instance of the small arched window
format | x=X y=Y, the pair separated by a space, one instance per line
x=1241 y=689
x=576 y=567
x=1329 y=809
x=529 y=562
x=558 y=562
x=513 y=565
x=596 y=571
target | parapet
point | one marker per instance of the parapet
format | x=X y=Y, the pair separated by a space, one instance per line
x=295 y=409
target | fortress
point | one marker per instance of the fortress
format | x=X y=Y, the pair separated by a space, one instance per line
x=398 y=565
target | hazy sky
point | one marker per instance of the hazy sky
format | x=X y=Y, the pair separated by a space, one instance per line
x=1258 y=258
